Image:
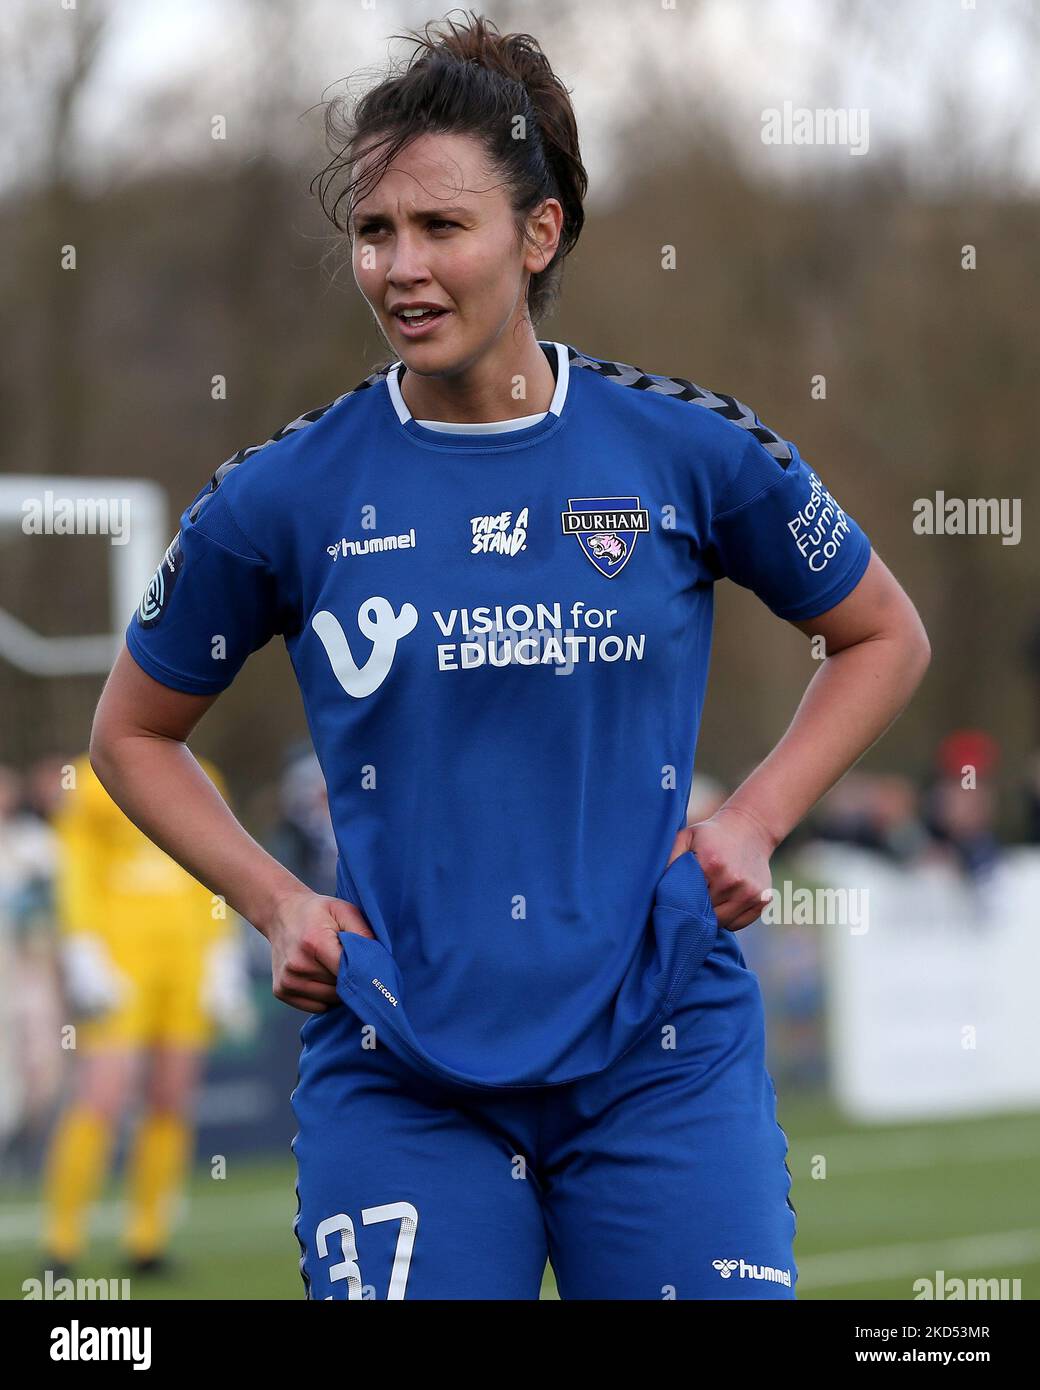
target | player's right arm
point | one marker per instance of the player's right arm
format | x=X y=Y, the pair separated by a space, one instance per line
x=212 y=602
x=138 y=748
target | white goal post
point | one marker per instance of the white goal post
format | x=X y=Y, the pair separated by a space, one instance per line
x=128 y=514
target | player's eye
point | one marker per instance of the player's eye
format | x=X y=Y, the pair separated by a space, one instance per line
x=369 y=228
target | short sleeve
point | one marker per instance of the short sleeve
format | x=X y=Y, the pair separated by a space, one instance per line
x=775 y=529
x=211 y=602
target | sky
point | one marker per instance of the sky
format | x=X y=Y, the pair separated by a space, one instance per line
x=948 y=83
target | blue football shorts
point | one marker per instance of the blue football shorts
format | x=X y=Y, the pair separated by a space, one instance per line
x=663 y=1176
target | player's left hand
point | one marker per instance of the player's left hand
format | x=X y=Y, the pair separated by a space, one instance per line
x=733 y=851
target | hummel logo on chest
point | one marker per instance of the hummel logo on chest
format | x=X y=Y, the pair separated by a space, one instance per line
x=371 y=545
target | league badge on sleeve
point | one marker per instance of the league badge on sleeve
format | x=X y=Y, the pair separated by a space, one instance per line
x=160 y=586
x=606 y=529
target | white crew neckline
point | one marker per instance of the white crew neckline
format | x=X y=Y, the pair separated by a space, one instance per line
x=447 y=428
x=519 y=422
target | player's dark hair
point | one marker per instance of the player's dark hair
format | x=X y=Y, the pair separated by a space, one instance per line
x=470 y=80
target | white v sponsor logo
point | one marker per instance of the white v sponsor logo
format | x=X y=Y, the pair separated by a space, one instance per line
x=384 y=629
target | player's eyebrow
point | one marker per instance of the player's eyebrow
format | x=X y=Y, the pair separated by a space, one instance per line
x=417 y=215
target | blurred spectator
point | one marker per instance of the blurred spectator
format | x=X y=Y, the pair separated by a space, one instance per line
x=961 y=818
x=962 y=804
x=1033 y=799
x=44 y=786
x=30 y=1072
x=787 y=961
x=153 y=969
x=895 y=820
x=26 y=858
x=842 y=814
x=875 y=812
x=303 y=838
x=966 y=749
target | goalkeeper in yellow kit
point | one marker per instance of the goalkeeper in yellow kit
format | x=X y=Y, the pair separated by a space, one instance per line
x=153 y=966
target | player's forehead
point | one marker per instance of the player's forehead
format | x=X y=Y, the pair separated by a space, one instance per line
x=446 y=172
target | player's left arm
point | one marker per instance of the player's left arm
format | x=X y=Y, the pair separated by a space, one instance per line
x=875 y=652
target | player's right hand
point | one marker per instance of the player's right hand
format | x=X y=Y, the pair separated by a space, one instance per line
x=305 y=949
x=93 y=985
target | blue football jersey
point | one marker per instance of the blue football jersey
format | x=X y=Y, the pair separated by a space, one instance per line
x=501 y=637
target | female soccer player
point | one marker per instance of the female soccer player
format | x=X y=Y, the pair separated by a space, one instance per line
x=492 y=563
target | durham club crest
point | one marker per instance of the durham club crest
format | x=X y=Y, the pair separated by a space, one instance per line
x=606 y=528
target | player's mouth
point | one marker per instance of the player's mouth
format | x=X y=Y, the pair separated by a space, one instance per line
x=416 y=321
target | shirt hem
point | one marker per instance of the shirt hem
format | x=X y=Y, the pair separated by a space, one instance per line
x=812 y=608
x=188 y=685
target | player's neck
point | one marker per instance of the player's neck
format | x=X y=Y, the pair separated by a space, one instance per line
x=486 y=390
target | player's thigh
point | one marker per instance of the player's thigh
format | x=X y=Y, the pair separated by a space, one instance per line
x=669 y=1176
x=402 y=1192
x=694 y=1210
